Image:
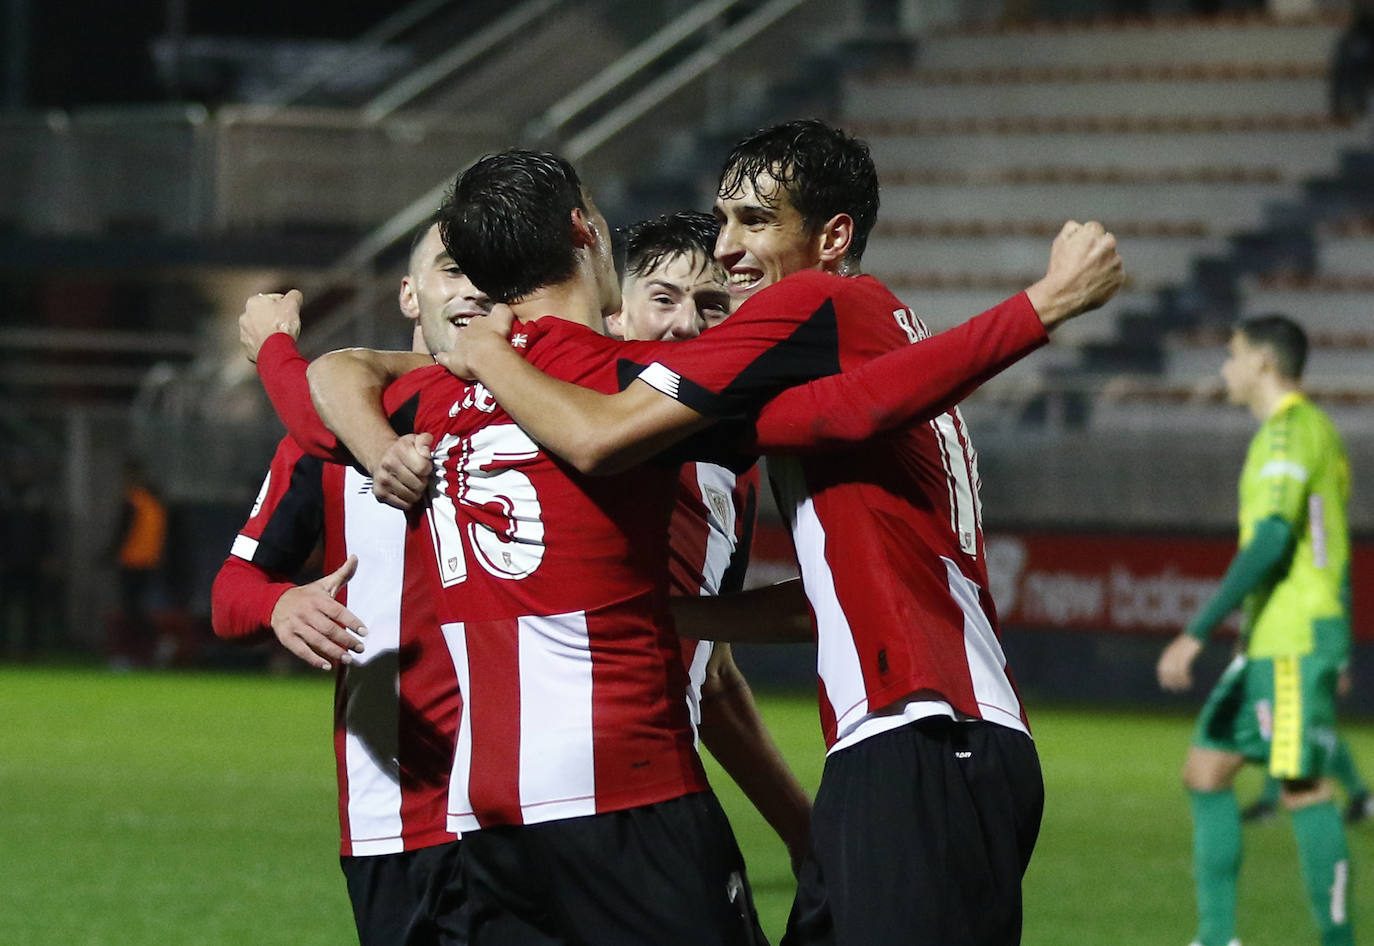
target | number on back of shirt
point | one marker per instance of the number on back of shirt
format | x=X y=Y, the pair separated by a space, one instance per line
x=499 y=505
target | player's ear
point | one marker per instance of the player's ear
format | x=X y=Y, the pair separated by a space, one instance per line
x=835 y=237
x=410 y=305
x=583 y=233
x=615 y=324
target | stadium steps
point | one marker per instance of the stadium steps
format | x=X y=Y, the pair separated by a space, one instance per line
x=1202 y=143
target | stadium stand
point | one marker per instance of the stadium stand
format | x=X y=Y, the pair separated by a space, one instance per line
x=1205 y=145
x=1203 y=142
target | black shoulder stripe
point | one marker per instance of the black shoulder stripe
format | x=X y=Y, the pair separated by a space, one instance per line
x=626 y=371
x=812 y=351
x=297 y=522
x=403 y=418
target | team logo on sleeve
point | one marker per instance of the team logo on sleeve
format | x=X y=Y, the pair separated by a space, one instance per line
x=719 y=503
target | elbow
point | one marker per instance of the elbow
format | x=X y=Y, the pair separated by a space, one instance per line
x=317 y=371
x=597 y=456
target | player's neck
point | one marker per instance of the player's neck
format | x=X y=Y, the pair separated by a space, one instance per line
x=417 y=342
x=842 y=267
x=572 y=300
x=1269 y=396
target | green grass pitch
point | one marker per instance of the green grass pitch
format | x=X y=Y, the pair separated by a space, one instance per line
x=199 y=809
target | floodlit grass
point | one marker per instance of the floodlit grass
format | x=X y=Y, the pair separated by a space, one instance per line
x=199 y=809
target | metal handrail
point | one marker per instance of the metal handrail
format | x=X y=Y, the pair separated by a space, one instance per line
x=366 y=44
x=581 y=100
x=659 y=90
x=629 y=65
x=459 y=57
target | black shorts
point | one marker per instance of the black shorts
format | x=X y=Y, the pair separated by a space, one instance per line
x=414 y=898
x=668 y=874
x=920 y=836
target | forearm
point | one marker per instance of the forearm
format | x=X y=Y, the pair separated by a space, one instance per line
x=734 y=732
x=774 y=614
x=242 y=599
x=346 y=388
x=911 y=384
x=596 y=433
x=1267 y=547
x=282 y=369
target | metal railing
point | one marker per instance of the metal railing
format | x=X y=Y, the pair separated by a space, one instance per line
x=459 y=57
x=323 y=68
x=601 y=109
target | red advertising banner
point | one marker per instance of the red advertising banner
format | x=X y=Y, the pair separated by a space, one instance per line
x=1149 y=584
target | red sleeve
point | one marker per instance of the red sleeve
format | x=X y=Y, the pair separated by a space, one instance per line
x=784 y=335
x=281 y=367
x=242 y=599
x=912 y=383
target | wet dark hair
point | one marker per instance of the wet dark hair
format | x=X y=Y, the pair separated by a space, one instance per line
x=506 y=222
x=1281 y=335
x=823 y=171
x=649 y=242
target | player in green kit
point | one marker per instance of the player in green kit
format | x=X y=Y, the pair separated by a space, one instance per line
x=1276 y=701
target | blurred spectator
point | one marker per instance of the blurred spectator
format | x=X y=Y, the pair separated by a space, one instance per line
x=26 y=560
x=1352 y=66
x=139 y=544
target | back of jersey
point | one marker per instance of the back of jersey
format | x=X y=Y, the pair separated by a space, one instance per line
x=552 y=603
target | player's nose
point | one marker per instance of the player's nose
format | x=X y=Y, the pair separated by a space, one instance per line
x=686 y=324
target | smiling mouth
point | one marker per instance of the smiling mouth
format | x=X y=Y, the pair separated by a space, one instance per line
x=461 y=319
x=744 y=280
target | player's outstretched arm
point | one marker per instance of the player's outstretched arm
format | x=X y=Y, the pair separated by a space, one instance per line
x=911 y=384
x=773 y=614
x=732 y=729
x=600 y=433
x=924 y=380
x=596 y=433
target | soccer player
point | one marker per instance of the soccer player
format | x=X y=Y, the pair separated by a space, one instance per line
x=1276 y=702
x=672 y=289
x=395 y=705
x=583 y=804
x=932 y=795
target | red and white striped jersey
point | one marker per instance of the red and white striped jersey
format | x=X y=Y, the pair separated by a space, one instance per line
x=887 y=534
x=709 y=538
x=552 y=598
x=396 y=706
x=711 y=529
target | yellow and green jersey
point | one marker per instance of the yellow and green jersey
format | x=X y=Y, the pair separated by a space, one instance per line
x=1296 y=470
